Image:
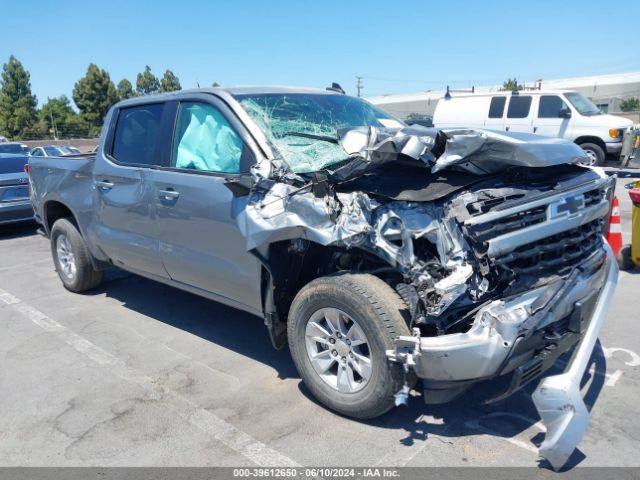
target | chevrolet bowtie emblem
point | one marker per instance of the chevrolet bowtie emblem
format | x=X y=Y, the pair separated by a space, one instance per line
x=566 y=206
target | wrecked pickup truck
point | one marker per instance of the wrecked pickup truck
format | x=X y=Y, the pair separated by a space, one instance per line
x=382 y=253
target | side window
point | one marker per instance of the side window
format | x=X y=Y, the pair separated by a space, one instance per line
x=36 y=153
x=519 y=106
x=136 y=134
x=205 y=140
x=550 y=106
x=496 y=108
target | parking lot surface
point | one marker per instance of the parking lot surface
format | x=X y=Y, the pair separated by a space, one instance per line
x=136 y=373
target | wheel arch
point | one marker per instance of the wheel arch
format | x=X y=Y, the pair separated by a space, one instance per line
x=591 y=139
x=54 y=210
x=292 y=264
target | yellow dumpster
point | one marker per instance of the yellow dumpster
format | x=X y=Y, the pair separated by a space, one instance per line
x=630 y=254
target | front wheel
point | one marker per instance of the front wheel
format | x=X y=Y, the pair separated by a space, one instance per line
x=595 y=154
x=72 y=258
x=339 y=328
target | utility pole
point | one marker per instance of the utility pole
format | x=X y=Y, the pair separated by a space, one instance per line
x=359 y=84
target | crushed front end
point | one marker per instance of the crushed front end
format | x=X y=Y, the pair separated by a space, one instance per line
x=494 y=242
x=542 y=278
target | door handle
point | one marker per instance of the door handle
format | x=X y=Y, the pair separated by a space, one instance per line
x=104 y=185
x=168 y=194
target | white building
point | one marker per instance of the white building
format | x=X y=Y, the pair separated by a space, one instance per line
x=606 y=91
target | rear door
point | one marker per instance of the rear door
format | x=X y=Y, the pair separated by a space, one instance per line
x=549 y=121
x=125 y=227
x=200 y=243
x=519 y=114
x=495 y=117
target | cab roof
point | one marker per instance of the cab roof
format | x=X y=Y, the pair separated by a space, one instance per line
x=228 y=91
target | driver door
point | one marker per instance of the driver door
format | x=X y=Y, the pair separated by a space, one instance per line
x=200 y=242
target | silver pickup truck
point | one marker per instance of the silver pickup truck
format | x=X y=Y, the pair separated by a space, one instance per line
x=384 y=254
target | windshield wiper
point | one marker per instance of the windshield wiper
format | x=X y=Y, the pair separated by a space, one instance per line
x=323 y=138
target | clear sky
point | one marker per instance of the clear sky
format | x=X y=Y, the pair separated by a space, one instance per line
x=396 y=46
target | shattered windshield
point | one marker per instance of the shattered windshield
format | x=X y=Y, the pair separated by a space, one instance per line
x=304 y=126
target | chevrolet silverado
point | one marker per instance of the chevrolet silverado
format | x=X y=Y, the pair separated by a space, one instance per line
x=383 y=254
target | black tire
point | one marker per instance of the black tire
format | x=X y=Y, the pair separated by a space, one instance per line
x=596 y=150
x=625 y=262
x=85 y=276
x=380 y=313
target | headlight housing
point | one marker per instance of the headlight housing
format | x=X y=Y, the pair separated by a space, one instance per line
x=616 y=132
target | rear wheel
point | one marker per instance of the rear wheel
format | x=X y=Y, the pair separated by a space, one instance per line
x=72 y=258
x=595 y=154
x=339 y=329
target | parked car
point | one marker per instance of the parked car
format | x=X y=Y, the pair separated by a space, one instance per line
x=550 y=113
x=14 y=148
x=3 y=139
x=379 y=254
x=54 y=151
x=15 y=205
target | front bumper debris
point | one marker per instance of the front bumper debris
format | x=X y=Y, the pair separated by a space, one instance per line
x=558 y=399
x=492 y=347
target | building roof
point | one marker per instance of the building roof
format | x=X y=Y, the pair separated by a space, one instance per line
x=598 y=85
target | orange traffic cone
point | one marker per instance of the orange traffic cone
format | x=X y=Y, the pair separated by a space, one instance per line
x=614 y=237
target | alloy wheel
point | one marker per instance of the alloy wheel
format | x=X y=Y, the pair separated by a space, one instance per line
x=66 y=258
x=338 y=350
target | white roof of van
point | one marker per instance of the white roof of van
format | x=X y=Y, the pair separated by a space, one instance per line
x=504 y=92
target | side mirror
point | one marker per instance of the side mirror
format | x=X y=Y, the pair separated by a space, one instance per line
x=240 y=185
x=564 y=113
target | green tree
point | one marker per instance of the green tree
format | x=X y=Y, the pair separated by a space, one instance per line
x=630 y=105
x=169 y=82
x=511 y=84
x=55 y=114
x=94 y=94
x=125 y=89
x=77 y=127
x=215 y=84
x=17 y=104
x=147 y=82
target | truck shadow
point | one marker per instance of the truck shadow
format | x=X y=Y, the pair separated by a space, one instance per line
x=513 y=420
x=17 y=230
x=209 y=320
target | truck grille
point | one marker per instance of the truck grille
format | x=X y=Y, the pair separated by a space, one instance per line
x=523 y=219
x=556 y=254
x=485 y=231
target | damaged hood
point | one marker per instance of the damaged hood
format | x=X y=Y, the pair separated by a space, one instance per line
x=331 y=206
x=473 y=151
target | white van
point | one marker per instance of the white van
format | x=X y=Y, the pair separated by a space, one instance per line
x=567 y=115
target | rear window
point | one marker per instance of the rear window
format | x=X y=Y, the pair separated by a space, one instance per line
x=496 y=108
x=550 y=106
x=136 y=134
x=519 y=107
